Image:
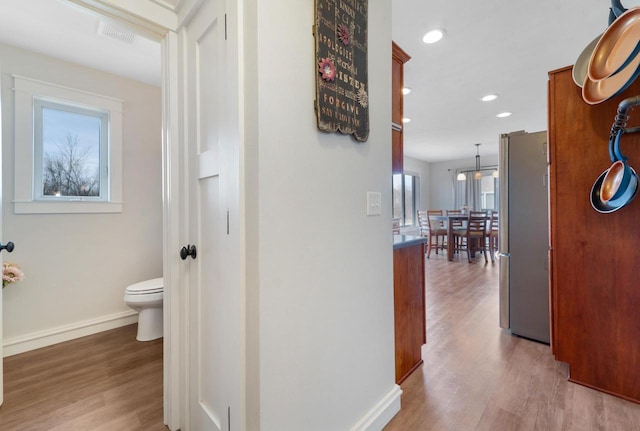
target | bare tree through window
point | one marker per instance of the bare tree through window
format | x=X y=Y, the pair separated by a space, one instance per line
x=67 y=171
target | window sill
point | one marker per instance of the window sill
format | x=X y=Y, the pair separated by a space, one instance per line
x=35 y=207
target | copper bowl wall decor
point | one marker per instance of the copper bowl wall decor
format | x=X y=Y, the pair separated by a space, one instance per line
x=617 y=47
x=579 y=72
x=594 y=92
x=616 y=186
x=582 y=63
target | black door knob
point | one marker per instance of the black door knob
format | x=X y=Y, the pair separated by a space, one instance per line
x=189 y=250
x=8 y=246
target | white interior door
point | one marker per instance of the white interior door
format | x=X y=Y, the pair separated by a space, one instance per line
x=214 y=301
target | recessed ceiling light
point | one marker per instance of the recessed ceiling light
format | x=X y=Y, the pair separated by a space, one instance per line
x=406 y=120
x=433 y=36
x=503 y=114
x=489 y=97
x=406 y=90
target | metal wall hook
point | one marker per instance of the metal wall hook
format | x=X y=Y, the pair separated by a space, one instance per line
x=620 y=121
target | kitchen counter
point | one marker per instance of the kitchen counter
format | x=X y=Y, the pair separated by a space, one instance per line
x=400 y=241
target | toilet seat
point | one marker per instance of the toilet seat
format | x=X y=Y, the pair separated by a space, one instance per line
x=146 y=287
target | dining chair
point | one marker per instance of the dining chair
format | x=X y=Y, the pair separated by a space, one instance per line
x=474 y=235
x=437 y=230
x=492 y=234
x=395 y=226
x=423 y=223
x=457 y=226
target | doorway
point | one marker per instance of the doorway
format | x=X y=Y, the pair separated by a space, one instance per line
x=100 y=261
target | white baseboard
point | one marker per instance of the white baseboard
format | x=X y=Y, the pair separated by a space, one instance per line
x=36 y=340
x=381 y=413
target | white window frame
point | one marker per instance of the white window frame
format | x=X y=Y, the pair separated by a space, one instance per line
x=40 y=105
x=26 y=201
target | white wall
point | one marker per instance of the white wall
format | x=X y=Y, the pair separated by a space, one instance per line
x=321 y=268
x=78 y=265
x=443 y=176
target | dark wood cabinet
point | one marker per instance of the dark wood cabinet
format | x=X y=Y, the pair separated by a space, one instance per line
x=409 y=307
x=397 y=163
x=399 y=58
x=595 y=292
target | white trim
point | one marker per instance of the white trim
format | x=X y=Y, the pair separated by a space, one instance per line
x=38 y=207
x=26 y=90
x=36 y=340
x=40 y=88
x=151 y=18
x=381 y=413
x=172 y=207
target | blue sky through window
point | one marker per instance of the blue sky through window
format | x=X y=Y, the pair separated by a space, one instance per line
x=57 y=124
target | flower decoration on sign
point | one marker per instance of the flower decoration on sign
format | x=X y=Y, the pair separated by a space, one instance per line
x=343 y=34
x=11 y=273
x=327 y=69
x=363 y=97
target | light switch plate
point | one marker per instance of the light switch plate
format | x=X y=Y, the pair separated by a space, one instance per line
x=374 y=203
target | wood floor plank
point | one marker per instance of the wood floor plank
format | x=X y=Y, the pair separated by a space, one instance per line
x=477 y=377
x=106 y=381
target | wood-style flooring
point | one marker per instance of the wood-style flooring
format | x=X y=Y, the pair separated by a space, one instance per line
x=103 y=382
x=477 y=377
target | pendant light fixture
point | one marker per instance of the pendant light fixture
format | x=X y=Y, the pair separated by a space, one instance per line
x=461 y=177
x=477 y=175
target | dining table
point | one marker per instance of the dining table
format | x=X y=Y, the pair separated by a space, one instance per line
x=447 y=219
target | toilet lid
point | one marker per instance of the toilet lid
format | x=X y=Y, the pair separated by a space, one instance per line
x=146 y=287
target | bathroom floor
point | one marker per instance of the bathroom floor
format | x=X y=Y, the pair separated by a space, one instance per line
x=107 y=381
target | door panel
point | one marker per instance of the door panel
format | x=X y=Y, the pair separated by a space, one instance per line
x=213 y=305
x=528 y=233
x=208 y=291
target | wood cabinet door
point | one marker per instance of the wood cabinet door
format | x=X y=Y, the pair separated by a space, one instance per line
x=399 y=57
x=595 y=295
x=396 y=152
x=409 y=308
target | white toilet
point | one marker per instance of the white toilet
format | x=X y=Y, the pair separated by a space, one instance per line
x=146 y=298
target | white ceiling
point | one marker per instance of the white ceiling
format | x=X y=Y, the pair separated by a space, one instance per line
x=66 y=31
x=492 y=46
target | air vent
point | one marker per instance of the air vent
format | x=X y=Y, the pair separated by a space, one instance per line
x=110 y=30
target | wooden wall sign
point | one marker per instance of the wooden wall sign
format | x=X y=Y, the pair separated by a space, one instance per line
x=342 y=101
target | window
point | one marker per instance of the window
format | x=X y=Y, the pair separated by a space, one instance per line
x=405 y=189
x=68 y=150
x=488 y=187
x=482 y=194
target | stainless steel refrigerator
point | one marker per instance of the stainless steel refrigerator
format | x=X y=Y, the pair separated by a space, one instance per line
x=524 y=235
